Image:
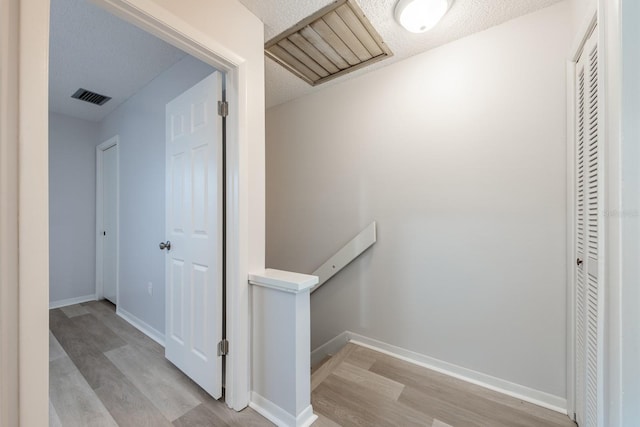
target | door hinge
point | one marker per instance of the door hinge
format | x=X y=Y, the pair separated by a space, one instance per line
x=223 y=348
x=223 y=108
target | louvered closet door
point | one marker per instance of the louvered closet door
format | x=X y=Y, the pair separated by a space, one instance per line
x=588 y=286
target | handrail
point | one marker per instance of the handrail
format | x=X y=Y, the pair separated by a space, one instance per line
x=352 y=250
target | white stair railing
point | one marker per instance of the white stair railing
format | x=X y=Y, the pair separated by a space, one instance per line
x=344 y=256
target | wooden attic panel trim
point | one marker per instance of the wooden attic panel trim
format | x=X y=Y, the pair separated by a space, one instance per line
x=314 y=53
x=351 y=69
x=336 y=40
x=305 y=22
x=292 y=64
x=346 y=35
x=322 y=28
x=313 y=37
x=303 y=57
x=370 y=29
x=349 y=17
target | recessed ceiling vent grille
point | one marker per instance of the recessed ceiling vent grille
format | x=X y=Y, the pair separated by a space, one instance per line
x=334 y=41
x=91 y=97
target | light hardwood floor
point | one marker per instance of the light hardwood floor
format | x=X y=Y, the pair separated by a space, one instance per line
x=361 y=387
x=104 y=372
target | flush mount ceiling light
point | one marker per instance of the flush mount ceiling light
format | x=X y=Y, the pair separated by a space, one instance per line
x=419 y=16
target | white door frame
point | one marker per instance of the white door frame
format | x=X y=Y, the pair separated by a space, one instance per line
x=222 y=33
x=608 y=15
x=100 y=149
x=584 y=31
x=157 y=21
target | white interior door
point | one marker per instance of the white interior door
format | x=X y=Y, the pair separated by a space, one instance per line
x=588 y=287
x=110 y=222
x=194 y=229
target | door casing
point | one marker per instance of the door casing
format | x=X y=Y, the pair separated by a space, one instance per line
x=155 y=20
x=220 y=32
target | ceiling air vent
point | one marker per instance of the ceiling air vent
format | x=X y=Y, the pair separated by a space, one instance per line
x=332 y=42
x=91 y=97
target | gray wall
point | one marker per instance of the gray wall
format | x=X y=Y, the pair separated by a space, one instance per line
x=140 y=124
x=630 y=214
x=460 y=155
x=72 y=207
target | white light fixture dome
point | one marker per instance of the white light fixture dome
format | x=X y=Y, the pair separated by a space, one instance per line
x=419 y=16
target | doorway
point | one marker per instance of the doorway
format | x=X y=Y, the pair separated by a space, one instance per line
x=587 y=232
x=107 y=221
x=158 y=179
x=224 y=34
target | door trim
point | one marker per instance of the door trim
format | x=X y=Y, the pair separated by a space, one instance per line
x=100 y=149
x=243 y=249
x=233 y=39
x=584 y=31
x=9 y=193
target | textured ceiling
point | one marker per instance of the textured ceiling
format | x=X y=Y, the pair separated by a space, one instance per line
x=92 y=49
x=464 y=18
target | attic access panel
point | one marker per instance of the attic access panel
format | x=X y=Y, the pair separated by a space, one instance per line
x=332 y=42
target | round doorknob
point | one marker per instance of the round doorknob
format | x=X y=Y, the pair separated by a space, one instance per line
x=165 y=245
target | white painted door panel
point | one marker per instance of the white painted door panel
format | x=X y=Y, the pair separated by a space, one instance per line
x=109 y=221
x=194 y=228
x=589 y=298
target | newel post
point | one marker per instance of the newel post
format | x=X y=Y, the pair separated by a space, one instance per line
x=281 y=340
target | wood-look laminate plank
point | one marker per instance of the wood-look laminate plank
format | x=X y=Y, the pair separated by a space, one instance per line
x=351 y=404
x=445 y=410
x=159 y=384
x=105 y=312
x=327 y=368
x=245 y=418
x=81 y=348
x=438 y=423
x=120 y=395
x=55 y=349
x=200 y=416
x=54 y=419
x=369 y=380
x=493 y=406
x=362 y=357
x=74 y=310
x=73 y=399
x=95 y=332
x=319 y=364
x=128 y=406
x=323 y=421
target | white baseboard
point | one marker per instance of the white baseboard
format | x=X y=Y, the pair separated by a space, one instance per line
x=279 y=416
x=141 y=325
x=537 y=397
x=71 y=301
x=329 y=348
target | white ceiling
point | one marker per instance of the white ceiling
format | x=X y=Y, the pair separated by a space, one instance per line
x=464 y=18
x=92 y=49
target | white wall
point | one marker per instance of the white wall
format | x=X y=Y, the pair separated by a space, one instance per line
x=580 y=9
x=140 y=125
x=459 y=154
x=72 y=207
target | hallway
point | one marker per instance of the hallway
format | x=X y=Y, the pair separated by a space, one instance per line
x=104 y=372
